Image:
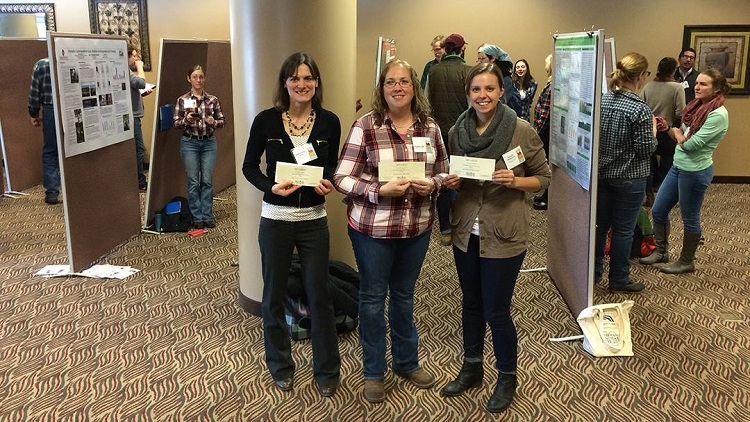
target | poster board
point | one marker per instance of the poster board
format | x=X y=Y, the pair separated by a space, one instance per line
x=21 y=142
x=386 y=51
x=574 y=115
x=609 y=56
x=99 y=187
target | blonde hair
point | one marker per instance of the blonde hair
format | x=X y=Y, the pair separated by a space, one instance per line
x=628 y=69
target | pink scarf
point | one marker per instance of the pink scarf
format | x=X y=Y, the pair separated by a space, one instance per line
x=696 y=112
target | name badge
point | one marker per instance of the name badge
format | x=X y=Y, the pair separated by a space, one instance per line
x=513 y=157
x=304 y=153
x=421 y=144
x=685 y=84
x=189 y=103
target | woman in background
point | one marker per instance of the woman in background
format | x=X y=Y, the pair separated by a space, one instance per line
x=490 y=223
x=704 y=123
x=390 y=221
x=525 y=85
x=666 y=98
x=627 y=140
x=198 y=114
x=542 y=124
x=297 y=130
x=489 y=53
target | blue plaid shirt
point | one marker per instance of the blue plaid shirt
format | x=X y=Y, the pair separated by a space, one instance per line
x=40 y=93
x=626 y=136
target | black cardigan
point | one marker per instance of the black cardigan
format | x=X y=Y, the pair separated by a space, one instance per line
x=267 y=135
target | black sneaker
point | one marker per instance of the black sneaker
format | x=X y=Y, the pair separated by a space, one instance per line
x=626 y=288
x=52 y=200
x=197 y=224
x=209 y=224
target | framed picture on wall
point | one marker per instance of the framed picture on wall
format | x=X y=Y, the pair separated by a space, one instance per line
x=723 y=47
x=128 y=18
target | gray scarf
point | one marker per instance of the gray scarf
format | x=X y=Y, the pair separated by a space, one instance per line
x=493 y=143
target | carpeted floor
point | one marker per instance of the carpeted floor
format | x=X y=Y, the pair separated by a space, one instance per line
x=171 y=343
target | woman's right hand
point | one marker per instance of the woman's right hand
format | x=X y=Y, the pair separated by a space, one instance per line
x=452 y=181
x=394 y=188
x=285 y=188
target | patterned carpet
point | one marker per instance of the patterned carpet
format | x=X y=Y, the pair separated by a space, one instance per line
x=171 y=343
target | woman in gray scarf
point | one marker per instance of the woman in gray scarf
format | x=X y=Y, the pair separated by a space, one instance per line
x=490 y=226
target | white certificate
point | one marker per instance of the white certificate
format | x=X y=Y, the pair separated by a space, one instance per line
x=394 y=170
x=471 y=167
x=298 y=174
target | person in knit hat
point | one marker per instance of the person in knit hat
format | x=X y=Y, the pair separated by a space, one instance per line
x=490 y=53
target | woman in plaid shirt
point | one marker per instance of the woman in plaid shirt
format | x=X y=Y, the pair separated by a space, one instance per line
x=390 y=222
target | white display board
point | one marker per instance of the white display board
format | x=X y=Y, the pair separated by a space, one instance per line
x=573 y=101
x=93 y=83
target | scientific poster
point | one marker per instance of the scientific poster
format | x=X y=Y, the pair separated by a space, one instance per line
x=573 y=103
x=93 y=84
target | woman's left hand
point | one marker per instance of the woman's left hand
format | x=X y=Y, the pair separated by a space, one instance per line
x=210 y=120
x=423 y=187
x=504 y=177
x=324 y=187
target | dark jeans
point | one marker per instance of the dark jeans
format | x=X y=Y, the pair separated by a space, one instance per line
x=388 y=265
x=140 y=150
x=617 y=206
x=199 y=158
x=444 y=201
x=487 y=285
x=665 y=151
x=50 y=160
x=277 y=241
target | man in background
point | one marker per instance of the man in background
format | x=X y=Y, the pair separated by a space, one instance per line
x=137 y=83
x=438 y=51
x=42 y=114
x=685 y=73
x=447 y=95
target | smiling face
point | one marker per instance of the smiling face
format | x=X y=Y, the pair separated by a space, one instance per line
x=301 y=86
x=484 y=94
x=398 y=89
x=520 y=68
x=704 y=88
x=197 y=79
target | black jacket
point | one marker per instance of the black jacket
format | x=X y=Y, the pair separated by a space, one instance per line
x=267 y=135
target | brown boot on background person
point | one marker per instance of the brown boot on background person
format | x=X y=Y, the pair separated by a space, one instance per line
x=661 y=253
x=686 y=263
x=374 y=391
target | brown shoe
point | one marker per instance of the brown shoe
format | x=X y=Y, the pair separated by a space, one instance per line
x=420 y=378
x=445 y=239
x=374 y=391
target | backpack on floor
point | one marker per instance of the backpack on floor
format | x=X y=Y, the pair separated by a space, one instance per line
x=175 y=216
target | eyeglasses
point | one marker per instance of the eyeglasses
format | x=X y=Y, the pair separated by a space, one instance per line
x=686 y=57
x=390 y=83
x=648 y=73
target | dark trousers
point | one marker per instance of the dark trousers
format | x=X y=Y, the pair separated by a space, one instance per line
x=277 y=241
x=140 y=150
x=487 y=285
x=50 y=160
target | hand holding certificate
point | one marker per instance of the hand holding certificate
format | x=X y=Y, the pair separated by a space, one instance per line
x=299 y=174
x=398 y=170
x=471 y=167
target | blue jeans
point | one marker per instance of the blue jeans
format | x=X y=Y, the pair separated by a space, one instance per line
x=444 y=201
x=487 y=285
x=50 y=160
x=617 y=206
x=198 y=158
x=388 y=265
x=277 y=240
x=140 y=149
x=688 y=188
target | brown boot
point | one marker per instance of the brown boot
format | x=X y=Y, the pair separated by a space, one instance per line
x=686 y=263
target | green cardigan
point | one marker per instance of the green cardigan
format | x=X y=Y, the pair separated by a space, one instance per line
x=696 y=153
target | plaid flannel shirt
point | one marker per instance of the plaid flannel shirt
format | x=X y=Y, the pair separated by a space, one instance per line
x=626 y=136
x=357 y=177
x=207 y=106
x=40 y=93
x=541 y=111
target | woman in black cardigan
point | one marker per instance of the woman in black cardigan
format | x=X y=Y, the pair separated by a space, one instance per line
x=299 y=131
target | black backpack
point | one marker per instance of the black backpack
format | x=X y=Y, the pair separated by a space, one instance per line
x=175 y=216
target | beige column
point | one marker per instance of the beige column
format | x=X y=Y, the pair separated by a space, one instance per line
x=263 y=33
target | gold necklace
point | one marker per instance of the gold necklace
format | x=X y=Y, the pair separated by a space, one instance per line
x=301 y=129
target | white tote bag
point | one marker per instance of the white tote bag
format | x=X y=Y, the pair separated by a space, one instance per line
x=606 y=329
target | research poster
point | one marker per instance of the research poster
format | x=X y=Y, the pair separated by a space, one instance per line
x=574 y=95
x=92 y=77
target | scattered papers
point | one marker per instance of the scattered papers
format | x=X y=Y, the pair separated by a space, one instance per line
x=96 y=271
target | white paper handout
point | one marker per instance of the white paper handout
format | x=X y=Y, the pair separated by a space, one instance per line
x=472 y=167
x=298 y=174
x=395 y=170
